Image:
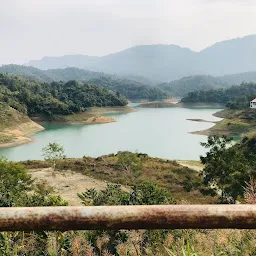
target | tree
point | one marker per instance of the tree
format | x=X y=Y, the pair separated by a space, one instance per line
x=129 y=162
x=226 y=167
x=53 y=152
x=17 y=188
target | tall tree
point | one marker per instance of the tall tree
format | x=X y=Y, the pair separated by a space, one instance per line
x=226 y=167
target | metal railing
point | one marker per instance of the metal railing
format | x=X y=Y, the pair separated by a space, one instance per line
x=128 y=217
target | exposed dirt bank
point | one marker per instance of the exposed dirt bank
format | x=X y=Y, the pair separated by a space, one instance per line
x=191 y=164
x=15 y=127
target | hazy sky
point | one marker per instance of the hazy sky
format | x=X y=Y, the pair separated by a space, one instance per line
x=31 y=29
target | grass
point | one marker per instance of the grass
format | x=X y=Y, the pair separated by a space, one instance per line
x=235 y=122
x=232 y=126
x=136 y=242
x=10 y=117
x=165 y=173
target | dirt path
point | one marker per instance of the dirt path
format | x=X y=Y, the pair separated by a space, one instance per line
x=68 y=183
x=192 y=164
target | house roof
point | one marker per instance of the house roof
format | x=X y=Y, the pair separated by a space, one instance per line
x=254 y=100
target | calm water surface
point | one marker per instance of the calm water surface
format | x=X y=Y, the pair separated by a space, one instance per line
x=158 y=132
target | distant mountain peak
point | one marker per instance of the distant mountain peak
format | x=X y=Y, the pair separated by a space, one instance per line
x=165 y=62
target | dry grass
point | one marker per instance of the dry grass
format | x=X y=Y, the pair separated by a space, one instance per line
x=166 y=174
x=236 y=122
x=131 y=243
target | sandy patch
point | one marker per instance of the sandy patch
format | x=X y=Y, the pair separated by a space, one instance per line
x=20 y=133
x=68 y=183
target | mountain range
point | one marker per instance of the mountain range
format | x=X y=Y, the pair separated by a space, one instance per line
x=133 y=87
x=165 y=62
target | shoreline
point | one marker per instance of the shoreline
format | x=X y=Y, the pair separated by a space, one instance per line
x=19 y=141
x=210 y=131
x=94 y=115
x=235 y=122
x=21 y=134
x=89 y=121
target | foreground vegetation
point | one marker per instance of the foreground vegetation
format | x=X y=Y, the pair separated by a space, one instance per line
x=132 y=169
x=150 y=181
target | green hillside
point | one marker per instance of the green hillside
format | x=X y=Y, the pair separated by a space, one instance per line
x=130 y=89
x=235 y=97
x=38 y=98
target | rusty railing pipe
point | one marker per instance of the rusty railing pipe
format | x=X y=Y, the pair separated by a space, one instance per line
x=128 y=217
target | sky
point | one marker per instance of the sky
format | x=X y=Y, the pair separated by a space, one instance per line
x=31 y=29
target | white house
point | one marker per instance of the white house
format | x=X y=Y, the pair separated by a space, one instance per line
x=253 y=104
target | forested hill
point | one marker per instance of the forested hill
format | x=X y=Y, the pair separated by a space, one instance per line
x=181 y=87
x=235 y=97
x=38 y=98
x=130 y=89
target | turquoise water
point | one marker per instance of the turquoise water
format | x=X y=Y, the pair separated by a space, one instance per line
x=162 y=132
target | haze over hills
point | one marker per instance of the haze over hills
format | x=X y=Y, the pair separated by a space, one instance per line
x=239 y=78
x=181 y=87
x=165 y=62
x=128 y=86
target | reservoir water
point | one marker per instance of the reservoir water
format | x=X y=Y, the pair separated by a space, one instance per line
x=159 y=132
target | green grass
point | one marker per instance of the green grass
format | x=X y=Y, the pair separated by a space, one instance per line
x=235 y=122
